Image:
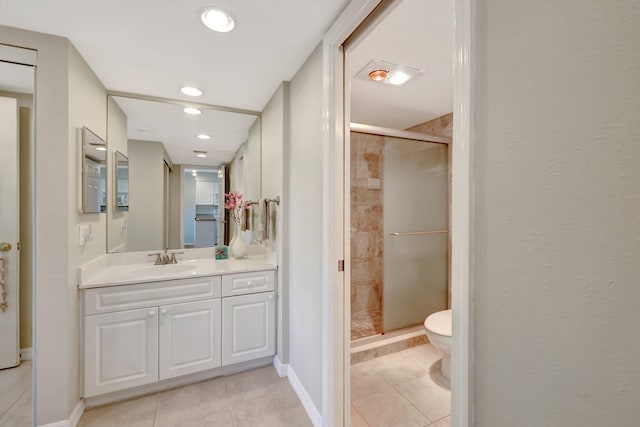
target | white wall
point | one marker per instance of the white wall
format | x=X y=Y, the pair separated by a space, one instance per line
x=116 y=141
x=146 y=195
x=305 y=226
x=557 y=223
x=275 y=148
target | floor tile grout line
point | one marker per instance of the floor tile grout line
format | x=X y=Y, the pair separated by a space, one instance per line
x=416 y=408
x=5 y=413
x=155 y=413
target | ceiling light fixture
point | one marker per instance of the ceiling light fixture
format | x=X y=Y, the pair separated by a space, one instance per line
x=217 y=20
x=200 y=153
x=101 y=149
x=398 y=77
x=203 y=136
x=191 y=110
x=191 y=91
x=194 y=173
x=378 y=75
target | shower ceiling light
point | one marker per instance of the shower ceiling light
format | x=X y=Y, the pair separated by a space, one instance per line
x=388 y=73
x=203 y=136
x=217 y=20
x=378 y=75
x=191 y=110
x=200 y=153
x=398 y=77
x=191 y=91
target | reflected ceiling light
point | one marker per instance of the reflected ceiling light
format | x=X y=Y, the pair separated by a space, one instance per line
x=101 y=149
x=203 y=136
x=398 y=77
x=194 y=173
x=191 y=91
x=200 y=153
x=191 y=110
x=217 y=20
x=378 y=75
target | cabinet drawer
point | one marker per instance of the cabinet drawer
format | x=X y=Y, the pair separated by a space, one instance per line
x=127 y=297
x=248 y=283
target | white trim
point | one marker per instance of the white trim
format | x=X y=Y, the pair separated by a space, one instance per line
x=26 y=353
x=73 y=420
x=304 y=397
x=335 y=340
x=462 y=216
x=281 y=368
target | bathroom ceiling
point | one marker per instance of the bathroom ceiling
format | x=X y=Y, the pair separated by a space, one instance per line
x=417 y=34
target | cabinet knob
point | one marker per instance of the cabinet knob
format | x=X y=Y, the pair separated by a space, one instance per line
x=152 y=313
x=164 y=311
x=249 y=282
x=270 y=296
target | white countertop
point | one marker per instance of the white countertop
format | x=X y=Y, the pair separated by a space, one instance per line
x=110 y=270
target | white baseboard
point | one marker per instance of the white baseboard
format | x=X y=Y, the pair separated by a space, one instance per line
x=73 y=420
x=312 y=411
x=26 y=353
x=280 y=367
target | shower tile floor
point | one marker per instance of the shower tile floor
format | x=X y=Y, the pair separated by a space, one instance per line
x=400 y=389
x=16 y=402
x=366 y=324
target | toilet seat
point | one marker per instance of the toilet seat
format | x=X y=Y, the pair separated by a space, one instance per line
x=439 y=323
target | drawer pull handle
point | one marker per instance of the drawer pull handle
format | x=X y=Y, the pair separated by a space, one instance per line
x=164 y=311
x=152 y=313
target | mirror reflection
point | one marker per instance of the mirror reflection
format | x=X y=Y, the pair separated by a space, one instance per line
x=17 y=141
x=121 y=183
x=94 y=172
x=178 y=168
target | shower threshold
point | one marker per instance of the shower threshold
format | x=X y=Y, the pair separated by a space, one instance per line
x=382 y=344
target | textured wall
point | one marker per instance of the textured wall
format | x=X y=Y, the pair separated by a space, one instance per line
x=557 y=223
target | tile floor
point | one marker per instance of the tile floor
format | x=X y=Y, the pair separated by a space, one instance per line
x=254 y=398
x=16 y=407
x=400 y=389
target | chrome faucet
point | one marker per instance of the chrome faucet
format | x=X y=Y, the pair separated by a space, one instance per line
x=164 y=258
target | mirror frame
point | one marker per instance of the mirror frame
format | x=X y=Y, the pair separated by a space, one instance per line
x=90 y=138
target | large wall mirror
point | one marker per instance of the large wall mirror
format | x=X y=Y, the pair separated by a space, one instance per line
x=175 y=168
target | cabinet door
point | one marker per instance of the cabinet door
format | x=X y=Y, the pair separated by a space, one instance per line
x=189 y=337
x=204 y=193
x=121 y=350
x=248 y=327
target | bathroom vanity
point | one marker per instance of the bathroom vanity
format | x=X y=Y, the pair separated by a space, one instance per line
x=146 y=323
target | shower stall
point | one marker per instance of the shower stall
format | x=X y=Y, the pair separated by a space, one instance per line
x=399 y=229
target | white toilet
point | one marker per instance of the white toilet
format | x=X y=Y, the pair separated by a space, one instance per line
x=438 y=327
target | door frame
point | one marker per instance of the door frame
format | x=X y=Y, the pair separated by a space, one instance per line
x=336 y=312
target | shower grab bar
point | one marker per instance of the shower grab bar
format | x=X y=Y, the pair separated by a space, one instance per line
x=416 y=233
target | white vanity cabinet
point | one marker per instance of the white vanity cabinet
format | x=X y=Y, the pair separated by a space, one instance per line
x=143 y=333
x=121 y=350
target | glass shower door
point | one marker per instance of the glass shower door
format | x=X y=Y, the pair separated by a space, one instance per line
x=416 y=218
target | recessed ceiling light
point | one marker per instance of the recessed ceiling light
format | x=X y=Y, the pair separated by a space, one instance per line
x=191 y=110
x=398 y=78
x=203 y=136
x=217 y=20
x=101 y=149
x=378 y=75
x=191 y=91
x=200 y=153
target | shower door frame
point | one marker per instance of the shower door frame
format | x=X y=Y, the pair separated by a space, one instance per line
x=336 y=294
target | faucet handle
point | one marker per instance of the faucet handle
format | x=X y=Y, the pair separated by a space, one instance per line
x=173 y=256
x=158 y=256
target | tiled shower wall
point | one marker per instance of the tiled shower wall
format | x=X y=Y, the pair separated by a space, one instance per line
x=366 y=225
x=366 y=235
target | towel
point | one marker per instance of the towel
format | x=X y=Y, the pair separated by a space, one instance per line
x=263 y=218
